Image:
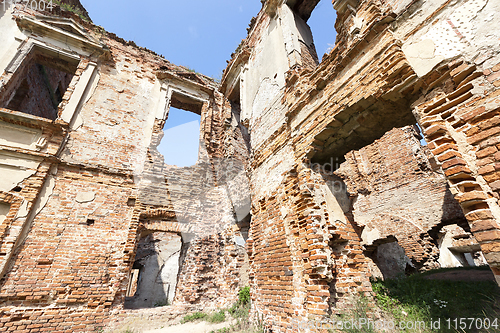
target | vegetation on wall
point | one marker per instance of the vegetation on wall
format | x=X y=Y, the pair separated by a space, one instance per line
x=72 y=9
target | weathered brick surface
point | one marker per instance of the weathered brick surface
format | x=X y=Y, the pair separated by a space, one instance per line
x=400 y=193
x=86 y=205
x=71 y=233
x=366 y=86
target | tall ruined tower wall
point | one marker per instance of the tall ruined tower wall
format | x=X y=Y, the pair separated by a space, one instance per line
x=340 y=182
x=310 y=178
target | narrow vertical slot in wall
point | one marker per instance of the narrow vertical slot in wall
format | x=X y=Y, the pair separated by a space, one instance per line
x=322 y=24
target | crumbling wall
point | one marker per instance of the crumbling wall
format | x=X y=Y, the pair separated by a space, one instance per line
x=395 y=63
x=72 y=222
x=212 y=270
x=84 y=188
x=399 y=194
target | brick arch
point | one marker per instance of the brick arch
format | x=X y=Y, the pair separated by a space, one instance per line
x=462 y=129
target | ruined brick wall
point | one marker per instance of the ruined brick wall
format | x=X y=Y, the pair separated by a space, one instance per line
x=213 y=269
x=94 y=178
x=305 y=255
x=64 y=257
x=399 y=193
x=461 y=129
x=389 y=69
x=71 y=227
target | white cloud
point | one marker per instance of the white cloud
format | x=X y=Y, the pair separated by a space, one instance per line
x=193 y=31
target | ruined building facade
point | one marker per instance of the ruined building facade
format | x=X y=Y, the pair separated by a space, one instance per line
x=311 y=175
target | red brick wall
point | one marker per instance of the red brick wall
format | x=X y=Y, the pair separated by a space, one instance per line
x=461 y=128
x=400 y=193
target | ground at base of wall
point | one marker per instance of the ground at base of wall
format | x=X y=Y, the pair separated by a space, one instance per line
x=197 y=327
x=167 y=319
x=229 y=325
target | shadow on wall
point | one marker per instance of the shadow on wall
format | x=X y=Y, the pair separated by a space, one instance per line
x=389 y=260
x=154 y=275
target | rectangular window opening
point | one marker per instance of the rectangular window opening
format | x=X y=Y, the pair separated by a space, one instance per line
x=38 y=85
x=180 y=144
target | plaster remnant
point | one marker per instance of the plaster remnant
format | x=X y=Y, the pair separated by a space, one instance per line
x=84 y=197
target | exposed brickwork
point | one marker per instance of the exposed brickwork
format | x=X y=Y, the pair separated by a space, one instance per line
x=87 y=186
x=460 y=127
x=85 y=207
x=399 y=193
x=366 y=86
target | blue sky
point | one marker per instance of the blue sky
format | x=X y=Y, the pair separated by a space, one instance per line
x=198 y=34
x=180 y=143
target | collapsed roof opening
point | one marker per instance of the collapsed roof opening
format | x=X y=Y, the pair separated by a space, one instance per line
x=39 y=83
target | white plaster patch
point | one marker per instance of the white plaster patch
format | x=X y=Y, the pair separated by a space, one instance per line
x=422 y=56
x=268 y=90
x=4 y=210
x=446 y=257
x=83 y=197
x=268 y=176
x=335 y=210
x=239 y=241
x=451 y=36
x=76 y=97
x=18 y=136
x=370 y=235
x=14 y=170
x=47 y=191
x=23 y=210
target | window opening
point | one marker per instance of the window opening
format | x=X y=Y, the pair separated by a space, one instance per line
x=322 y=24
x=39 y=83
x=181 y=140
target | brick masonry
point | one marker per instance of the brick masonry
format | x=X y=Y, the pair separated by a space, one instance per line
x=260 y=207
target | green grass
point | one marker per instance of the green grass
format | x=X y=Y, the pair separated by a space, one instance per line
x=416 y=299
x=71 y=9
x=239 y=311
x=193 y=317
x=361 y=310
x=217 y=317
x=244 y=296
